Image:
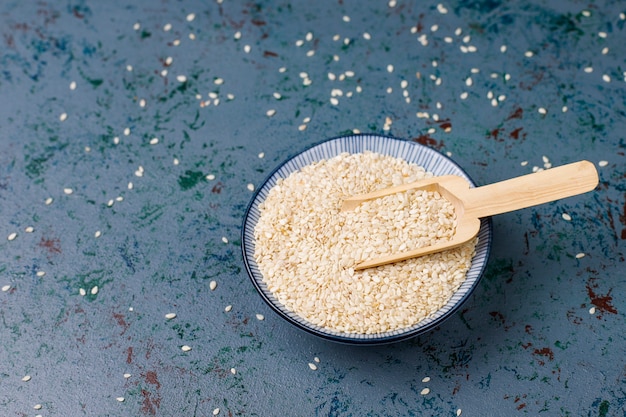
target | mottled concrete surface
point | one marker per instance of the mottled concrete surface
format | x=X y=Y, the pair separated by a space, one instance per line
x=87 y=87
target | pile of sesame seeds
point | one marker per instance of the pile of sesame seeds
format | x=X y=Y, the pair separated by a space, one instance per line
x=306 y=248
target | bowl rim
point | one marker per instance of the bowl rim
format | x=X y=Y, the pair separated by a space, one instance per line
x=486 y=224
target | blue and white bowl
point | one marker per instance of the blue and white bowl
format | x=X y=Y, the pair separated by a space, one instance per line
x=412 y=152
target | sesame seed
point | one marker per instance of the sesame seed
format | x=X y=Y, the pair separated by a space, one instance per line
x=469 y=82
x=588 y=70
x=63 y=117
x=237 y=35
x=210 y=177
x=524 y=163
x=176 y=161
x=334 y=101
x=233 y=371
x=212 y=285
x=167 y=27
x=181 y=78
x=216 y=411
x=129 y=68
x=425 y=391
x=282 y=69
x=246 y=49
x=606 y=78
x=260 y=317
x=463 y=95
x=224 y=239
x=127 y=375
x=316 y=359
x=82 y=292
x=592 y=310
x=564 y=109
x=312 y=366
x=458 y=412
x=349 y=73
x=94 y=290
x=310 y=53
x=426 y=379
x=605 y=50
x=154 y=141
x=602 y=35
x=277 y=96
x=441 y=9
x=137 y=26
x=26 y=378
x=389 y=68
x=603 y=163
x=622 y=16
x=218 y=81
x=566 y=217
x=367 y=36
x=120 y=399
x=270 y=112
x=580 y=255
x=170 y=316
x=586 y=13
x=185 y=348
x=250 y=187
x=392 y=3
x=228 y=308
x=529 y=54
x=68 y=191
x=346 y=19
x=191 y=17
x=127 y=131
x=12 y=236
x=503 y=48
x=41 y=273
x=116 y=140
x=6 y=288
x=541 y=110
x=130 y=186
x=142 y=103
x=37 y=406
x=302 y=127
x=309 y=36
x=29 y=229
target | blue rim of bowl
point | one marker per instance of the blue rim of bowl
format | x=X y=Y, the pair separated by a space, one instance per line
x=483 y=248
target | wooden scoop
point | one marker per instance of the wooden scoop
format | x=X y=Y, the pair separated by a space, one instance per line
x=471 y=204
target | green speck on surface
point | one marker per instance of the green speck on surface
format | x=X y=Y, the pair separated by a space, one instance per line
x=145 y=34
x=603 y=409
x=190 y=179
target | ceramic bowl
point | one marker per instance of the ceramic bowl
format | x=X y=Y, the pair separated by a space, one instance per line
x=433 y=161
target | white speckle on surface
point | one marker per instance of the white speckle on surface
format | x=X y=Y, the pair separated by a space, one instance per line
x=529 y=54
x=458 y=412
x=224 y=239
x=210 y=177
x=425 y=391
x=469 y=81
x=6 y=288
x=237 y=35
x=181 y=78
x=246 y=49
x=130 y=186
x=142 y=103
x=542 y=110
x=233 y=371
x=606 y=78
x=129 y=68
x=260 y=317
x=12 y=236
x=346 y=18
x=213 y=285
x=73 y=85
x=588 y=70
x=367 y=36
x=41 y=273
x=68 y=191
x=127 y=375
x=216 y=411
x=116 y=140
x=176 y=161
x=250 y=187
x=602 y=35
x=592 y=310
x=312 y=366
x=110 y=203
x=270 y=112
x=127 y=131
x=137 y=26
x=167 y=27
x=302 y=127
x=580 y=255
x=120 y=399
x=26 y=378
x=426 y=379
x=564 y=109
x=190 y=17
x=154 y=141
x=389 y=68
x=37 y=406
x=603 y=163
x=29 y=229
x=94 y=290
x=334 y=101
x=523 y=163
x=503 y=48
x=586 y=13
x=63 y=117
x=605 y=50
x=228 y=308
x=566 y=217
x=82 y=292
x=316 y=359
x=185 y=348
x=218 y=81
x=463 y=95
x=442 y=9
x=170 y=316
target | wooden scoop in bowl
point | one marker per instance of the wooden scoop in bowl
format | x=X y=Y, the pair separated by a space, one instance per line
x=472 y=204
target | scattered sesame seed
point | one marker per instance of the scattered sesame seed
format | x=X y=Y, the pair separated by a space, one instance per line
x=564 y=109
x=26 y=378
x=218 y=81
x=250 y=187
x=524 y=163
x=586 y=13
x=316 y=359
x=389 y=68
x=622 y=16
x=392 y=3
x=426 y=379
x=334 y=101
x=127 y=375
x=541 y=110
x=441 y=9
x=120 y=399
x=94 y=290
x=503 y=48
x=167 y=27
x=233 y=371
x=176 y=161
x=302 y=127
x=210 y=177
x=82 y=292
x=425 y=391
x=469 y=82
x=463 y=95
x=41 y=273
x=185 y=348
x=588 y=70
x=282 y=69
x=309 y=36
x=29 y=229
x=606 y=78
x=116 y=140
x=580 y=255
x=37 y=406
x=270 y=112
x=12 y=236
x=603 y=163
x=190 y=17
x=170 y=316
x=129 y=68
x=312 y=366
x=181 y=78
x=131 y=309
x=346 y=19
x=260 y=317
x=458 y=412
x=68 y=191
x=605 y=50
x=310 y=53
x=63 y=117
x=110 y=203
x=127 y=131
x=154 y=141
x=137 y=26
x=566 y=217
x=246 y=49
x=602 y=35
x=228 y=308
x=6 y=288
x=529 y=54
x=592 y=310
x=224 y=239
x=367 y=36
x=237 y=35
x=212 y=285
x=130 y=186
x=216 y=411
x=277 y=96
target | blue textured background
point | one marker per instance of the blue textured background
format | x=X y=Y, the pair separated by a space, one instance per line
x=525 y=342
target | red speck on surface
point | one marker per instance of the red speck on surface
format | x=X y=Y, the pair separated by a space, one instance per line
x=51 y=245
x=516 y=114
x=270 y=54
x=151 y=378
x=546 y=352
x=522 y=405
x=217 y=188
x=77 y=13
x=602 y=302
x=497 y=315
x=149 y=405
x=257 y=22
x=528 y=329
x=515 y=134
x=426 y=140
x=495 y=133
x=119 y=318
x=129 y=355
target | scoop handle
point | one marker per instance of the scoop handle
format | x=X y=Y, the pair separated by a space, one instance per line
x=530 y=190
